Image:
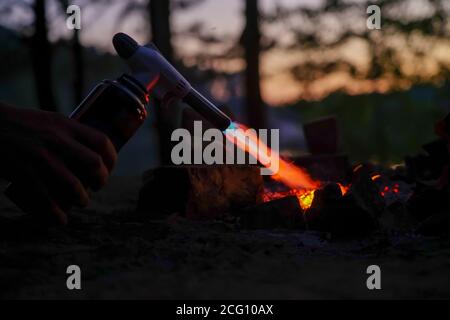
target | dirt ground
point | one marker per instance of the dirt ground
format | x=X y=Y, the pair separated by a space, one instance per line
x=125 y=255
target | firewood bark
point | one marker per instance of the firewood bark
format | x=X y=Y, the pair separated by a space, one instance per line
x=280 y=213
x=200 y=192
x=345 y=216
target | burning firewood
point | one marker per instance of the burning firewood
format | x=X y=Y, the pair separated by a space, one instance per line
x=200 y=192
x=348 y=213
x=317 y=216
x=280 y=213
x=365 y=192
x=222 y=188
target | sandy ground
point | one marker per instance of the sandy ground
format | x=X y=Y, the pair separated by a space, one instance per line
x=125 y=255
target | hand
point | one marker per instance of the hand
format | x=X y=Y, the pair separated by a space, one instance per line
x=55 y=159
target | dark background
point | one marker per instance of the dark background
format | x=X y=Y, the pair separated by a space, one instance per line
x=273 y=63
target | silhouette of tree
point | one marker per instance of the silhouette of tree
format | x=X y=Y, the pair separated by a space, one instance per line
x=384 y=59
x=78 y=80
x=251 y=37
x=159 y=14
x=41 y=56
x=78 y=60
x=41 y=48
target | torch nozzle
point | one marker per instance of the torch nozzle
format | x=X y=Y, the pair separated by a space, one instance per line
x=124 y=45
x=208 y=110
x=155 y=73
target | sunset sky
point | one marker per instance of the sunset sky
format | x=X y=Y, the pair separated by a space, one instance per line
x=225 y=20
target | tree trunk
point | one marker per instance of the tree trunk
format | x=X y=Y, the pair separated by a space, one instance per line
x=159 y=13
x=256 y=114
x=41 y=58
x=78 y=81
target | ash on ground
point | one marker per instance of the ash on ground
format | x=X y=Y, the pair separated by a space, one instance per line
x=127 y=255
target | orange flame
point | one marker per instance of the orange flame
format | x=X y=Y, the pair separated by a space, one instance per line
x=301 y=184
x=343 y=188
x=289 y=174
x=306 y=199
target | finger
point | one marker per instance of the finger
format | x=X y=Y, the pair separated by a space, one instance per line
x=96 y=141
x=60 y=181
x=87 y=165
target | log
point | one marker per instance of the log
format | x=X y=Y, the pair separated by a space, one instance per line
x=366 y=193
x=341 y=216
x=280 y=213
x=200 y=192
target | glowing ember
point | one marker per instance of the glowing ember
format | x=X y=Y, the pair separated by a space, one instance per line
x=343 y=188
x=376 y=177
x=306 y=199
x=301 y=184
x=395 y=189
